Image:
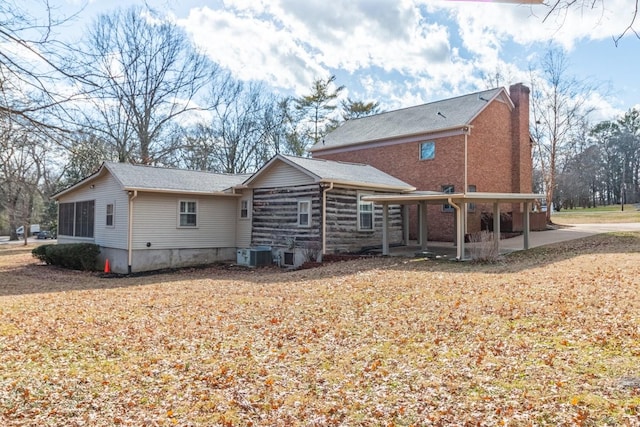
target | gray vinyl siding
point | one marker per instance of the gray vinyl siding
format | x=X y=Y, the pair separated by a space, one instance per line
x=282 y=175
x=105 y=190
x=275 y=216
x=342 y=223
x=243 y=231
x=156 y=222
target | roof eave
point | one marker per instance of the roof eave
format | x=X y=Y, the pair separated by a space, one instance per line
x=97 y=174
x=464 y=127
x=357 y=184
x=226 y=192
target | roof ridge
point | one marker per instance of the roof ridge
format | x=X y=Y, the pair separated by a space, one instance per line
x=327 y=160
x=431 y=102
x=173 y=168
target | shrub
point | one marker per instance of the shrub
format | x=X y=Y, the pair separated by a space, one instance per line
x=483 y=249
x=76 y=256
x=40 y=252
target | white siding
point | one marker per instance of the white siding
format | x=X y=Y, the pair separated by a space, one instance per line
x=155 y=221
x=105 y=190
x=282 y=175
x=244 y=224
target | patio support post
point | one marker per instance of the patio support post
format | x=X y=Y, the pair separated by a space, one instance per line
x=405 y=224
x=459 y=234
x=385 y=229
x=526 y=224
x=423 y=226
x=496 y=226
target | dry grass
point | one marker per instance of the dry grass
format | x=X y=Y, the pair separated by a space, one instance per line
x=599 y=215
x=541 y=338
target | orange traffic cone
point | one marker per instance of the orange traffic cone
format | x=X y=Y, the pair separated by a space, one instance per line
x=107 y=267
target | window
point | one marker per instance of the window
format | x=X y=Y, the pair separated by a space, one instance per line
x=188 y=213
x=471 y=207
x=427 y=150
x=447 y=189
x=244 y=208
x=365 y=214
x=76 y=219
x=304 y=213
x=65 y=218
x=109 y=218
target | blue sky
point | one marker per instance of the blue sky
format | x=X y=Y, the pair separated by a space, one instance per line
x=401 y=52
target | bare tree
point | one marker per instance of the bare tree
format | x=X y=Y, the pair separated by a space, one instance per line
x=559 y=109
x=562 y=7
x=146 y=75
x=33 y=68
x=242 y=132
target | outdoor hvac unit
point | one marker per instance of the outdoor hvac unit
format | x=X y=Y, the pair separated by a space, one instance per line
x=254 y=257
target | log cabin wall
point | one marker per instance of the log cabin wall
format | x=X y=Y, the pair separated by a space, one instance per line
x=275 y=217
x=342 y=223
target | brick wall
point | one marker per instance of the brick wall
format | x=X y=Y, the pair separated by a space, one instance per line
x=499 y=160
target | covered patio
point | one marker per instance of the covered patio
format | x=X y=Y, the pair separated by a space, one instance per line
x=459 y=201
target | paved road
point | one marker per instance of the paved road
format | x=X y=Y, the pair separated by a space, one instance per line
x=4 y=240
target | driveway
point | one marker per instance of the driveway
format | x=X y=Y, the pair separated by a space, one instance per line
x=569 y=232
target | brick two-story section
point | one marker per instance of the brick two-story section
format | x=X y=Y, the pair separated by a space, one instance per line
x=473 y=143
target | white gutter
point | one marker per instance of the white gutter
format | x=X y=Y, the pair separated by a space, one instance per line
x=132 y=196
x=324 y=217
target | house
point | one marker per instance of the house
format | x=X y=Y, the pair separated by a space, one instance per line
x=473 y=143
x=148 y=218
x=303 y=208
x=436 y=171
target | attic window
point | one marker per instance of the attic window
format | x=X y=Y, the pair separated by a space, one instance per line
x=427 y=150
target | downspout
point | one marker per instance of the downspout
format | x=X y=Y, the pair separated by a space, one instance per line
x=324 y=217
x=459 y=241
x=132 y=196
x=466 y=176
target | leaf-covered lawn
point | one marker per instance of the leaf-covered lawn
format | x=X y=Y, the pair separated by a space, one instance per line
x=549 y=336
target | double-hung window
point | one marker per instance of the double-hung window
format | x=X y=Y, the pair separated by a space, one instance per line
x=188 y=213
x=365 y=214
x=110 y=215
x=471 y=207
x=304 y=213
x=244 y=208
x=447 y=189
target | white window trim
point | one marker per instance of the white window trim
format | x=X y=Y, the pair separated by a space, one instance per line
x=373 y=216
x=248 y=201
x=300 y=203
x=447 y=207
x=190 y=213
x=113 y=215
x=471 y=207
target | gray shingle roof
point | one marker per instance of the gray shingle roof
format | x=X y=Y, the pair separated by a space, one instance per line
x=138 y=177
x=356 y=174
x=421 y=119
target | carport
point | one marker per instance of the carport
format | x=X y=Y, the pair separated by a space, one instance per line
x=459 y=201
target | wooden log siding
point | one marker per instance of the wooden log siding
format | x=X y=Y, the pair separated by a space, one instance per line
x=275 y=217
x=342 y=223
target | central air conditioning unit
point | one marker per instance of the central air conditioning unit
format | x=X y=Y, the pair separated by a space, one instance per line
x=254 y=257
